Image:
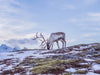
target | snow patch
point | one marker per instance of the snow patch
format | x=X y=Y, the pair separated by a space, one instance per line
x=71 y=70
x=83 y=47
x=91 y=73
x=86 y=59
x=96 y=67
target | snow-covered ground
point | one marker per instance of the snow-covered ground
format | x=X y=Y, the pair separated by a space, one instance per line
x=8 y=60
x=22 y=54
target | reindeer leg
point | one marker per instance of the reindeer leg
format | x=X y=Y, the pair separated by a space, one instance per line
x=52 y=46
x=43 y=44
x=62 y=43
x=65 y=44
x=57 y=44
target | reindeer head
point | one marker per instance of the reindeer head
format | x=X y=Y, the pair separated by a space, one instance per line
x=48 y=45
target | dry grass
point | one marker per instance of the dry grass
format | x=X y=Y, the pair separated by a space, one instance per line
x=97 y=71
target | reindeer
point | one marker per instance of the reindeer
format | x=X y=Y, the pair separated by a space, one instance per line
x=56 y=37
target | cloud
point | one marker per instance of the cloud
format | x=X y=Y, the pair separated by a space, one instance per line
x=8 y=6
x=12 y=25
x=90 y=34
x=10 y=35
x=10 y=30
x=71 y=40
x=27 y=43
x=68 y=7
x=17 y=25
x=91 y=17
x=96 y=29
x=94 y=14
x=62 y=5
x=90 y=2
x=87 y=19
x=72 y=20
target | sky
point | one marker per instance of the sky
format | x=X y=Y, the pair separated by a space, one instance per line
x=79 y=19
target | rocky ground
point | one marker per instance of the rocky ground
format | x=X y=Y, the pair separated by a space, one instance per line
x=82 y=59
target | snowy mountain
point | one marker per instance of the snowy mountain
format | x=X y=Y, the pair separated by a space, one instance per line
x=5 y=48
x=16 y=48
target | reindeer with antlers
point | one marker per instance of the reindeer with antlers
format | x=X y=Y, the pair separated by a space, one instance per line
x=54 y=37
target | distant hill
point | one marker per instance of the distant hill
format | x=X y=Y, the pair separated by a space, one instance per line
x=5 y=48
x=81 y=59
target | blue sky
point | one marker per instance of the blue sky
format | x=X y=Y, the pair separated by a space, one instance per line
x=79 y=19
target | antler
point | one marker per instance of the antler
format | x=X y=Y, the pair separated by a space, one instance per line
x=36 y=36
x=41 y=38
x=43 y=44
